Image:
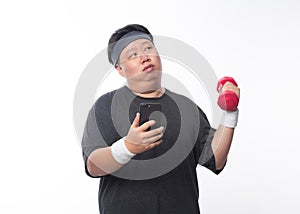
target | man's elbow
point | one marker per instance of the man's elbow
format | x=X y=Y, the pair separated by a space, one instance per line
x=220 y=166
x=94 y=170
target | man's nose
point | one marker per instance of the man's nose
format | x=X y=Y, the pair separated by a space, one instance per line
x=145 y=58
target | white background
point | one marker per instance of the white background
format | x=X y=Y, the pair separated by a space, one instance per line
x=45 y=46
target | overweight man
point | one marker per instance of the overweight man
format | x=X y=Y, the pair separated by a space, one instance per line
x=142 y=169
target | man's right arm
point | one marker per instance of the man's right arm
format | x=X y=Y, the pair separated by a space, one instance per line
x=103 y=161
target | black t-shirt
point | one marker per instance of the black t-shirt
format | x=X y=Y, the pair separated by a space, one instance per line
x=162 y=180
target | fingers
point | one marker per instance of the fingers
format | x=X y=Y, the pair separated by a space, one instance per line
x=147 y=125
x=155 y=138
x=151 y=139
x=152 y=145
x=136 y=120
x=148 y=137
x=228 y=86
x=153 y=133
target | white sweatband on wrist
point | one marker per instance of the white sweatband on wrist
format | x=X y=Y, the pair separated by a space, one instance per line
x=120 y=152
x=230 y=118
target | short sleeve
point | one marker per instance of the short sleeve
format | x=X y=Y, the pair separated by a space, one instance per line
x=91 y=139
x=98 y=131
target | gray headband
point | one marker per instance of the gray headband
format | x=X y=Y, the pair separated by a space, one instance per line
x=124 y=41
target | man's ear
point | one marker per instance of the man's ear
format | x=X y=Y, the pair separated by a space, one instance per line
x=120 y=70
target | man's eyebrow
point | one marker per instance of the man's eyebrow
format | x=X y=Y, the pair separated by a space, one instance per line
x=130 y=49
x=143 y=43
x=147 y=42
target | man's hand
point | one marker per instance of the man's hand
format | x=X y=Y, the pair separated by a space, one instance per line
x=228 y=86
x=229 y=94
x=139 y=140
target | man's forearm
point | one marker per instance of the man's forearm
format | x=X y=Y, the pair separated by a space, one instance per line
x=101 y=162
x=221 y=145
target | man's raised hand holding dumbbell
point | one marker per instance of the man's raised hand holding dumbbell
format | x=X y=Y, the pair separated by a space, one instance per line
x=229 y=95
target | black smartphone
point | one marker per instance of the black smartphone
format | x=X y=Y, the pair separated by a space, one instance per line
x=150 y=111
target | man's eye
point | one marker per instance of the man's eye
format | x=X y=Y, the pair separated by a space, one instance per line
x=132 y=55
x=148 y=48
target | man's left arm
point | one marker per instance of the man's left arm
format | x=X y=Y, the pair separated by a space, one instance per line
x=223 y=136
x=221 y=145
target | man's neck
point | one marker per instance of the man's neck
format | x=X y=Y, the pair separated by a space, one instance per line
x=151 y=94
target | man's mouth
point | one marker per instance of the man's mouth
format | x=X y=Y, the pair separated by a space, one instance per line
x=148 y=68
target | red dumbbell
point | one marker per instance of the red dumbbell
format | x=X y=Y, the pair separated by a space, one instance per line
x=228 y=100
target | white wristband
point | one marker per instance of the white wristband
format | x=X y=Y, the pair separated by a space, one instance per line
x=230 y=118
x=120 y=152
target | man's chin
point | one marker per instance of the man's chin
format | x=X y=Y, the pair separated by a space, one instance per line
x=145 y=87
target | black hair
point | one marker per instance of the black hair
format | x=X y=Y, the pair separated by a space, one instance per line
x=116 y=36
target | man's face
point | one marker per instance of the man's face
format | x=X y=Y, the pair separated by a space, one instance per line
x=140 y=64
